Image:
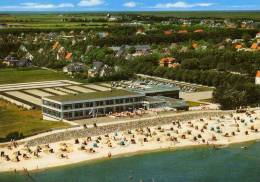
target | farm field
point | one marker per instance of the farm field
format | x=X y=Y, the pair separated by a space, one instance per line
x=26 y=122
x=54 y=21
x=36 y=75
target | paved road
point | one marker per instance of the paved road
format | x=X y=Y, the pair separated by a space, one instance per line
x=196 y=96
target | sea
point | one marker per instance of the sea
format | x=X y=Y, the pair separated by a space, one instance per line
x=235 y=163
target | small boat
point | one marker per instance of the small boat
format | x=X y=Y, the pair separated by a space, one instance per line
x=244 y=147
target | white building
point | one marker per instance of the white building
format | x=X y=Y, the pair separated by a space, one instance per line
x=257 y=78
x=257 y=35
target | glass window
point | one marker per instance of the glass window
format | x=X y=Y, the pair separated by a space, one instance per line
x=78 y=105
x=67 y=107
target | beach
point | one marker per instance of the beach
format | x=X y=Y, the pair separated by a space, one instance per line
x=213 y=131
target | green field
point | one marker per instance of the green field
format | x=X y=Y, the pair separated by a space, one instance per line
x=13 y=119
x=55 y=20
x=255 y=15
x=194 y=104
x=8 y=76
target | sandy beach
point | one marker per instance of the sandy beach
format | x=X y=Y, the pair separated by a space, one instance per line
x=213 y=131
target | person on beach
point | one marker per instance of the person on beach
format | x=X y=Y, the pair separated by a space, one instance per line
x=109 y=155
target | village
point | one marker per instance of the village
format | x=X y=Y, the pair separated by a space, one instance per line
x=156 y=86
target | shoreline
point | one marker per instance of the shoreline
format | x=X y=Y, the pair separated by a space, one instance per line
x=130 y=154
x=77 y=156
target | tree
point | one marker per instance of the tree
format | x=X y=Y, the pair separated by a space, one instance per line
x=190 y=64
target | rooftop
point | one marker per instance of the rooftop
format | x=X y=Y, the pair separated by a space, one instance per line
x=93 y=95
x=258 y=74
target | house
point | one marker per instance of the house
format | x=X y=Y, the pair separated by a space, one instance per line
x=198 y=31
x=230 y=24
x=56 y=45
x=237 y=41
x=257 y=35
x=168 y=62
x=13 y=62
x=257 y=78
x=68 y=56
x=182 y=31
x=238 y=46
x=140 y=32
x=40 y=51
x=139 y=50
x=186 y=23
x=111 y=18
x=28 y=56
x=103 y=34
x=249 y=24
x=194 y=45
x=97 y=69
x=25 y=52
x=168 y=32
x=74 y=68
x=184 y=49
x=143 y=48
x=255 y=46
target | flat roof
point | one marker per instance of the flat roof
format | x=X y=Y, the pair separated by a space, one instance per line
x=93 y=95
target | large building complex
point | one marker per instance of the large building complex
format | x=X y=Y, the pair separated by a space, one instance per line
x=100 y=103
x=86 y=105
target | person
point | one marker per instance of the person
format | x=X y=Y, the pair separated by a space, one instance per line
x=109 y=155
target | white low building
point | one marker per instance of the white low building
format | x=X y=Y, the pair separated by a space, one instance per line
x=257 y=78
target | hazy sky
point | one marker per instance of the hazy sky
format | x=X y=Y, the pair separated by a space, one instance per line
x=127 y=5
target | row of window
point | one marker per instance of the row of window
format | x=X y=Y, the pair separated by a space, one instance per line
x=100 y=111
x=102 y=103
x=51 y=104
x=51 y=112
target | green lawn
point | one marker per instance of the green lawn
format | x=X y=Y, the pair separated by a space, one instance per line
x=207 y=100
x=194 y=104
x=18 y=76
x=13 y=119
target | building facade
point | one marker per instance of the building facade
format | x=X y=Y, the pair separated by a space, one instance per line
x=88 y=105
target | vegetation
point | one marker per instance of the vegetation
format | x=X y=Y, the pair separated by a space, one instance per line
x=18 y=123
x=207 y=57
x=194 y=104
x=28 y=75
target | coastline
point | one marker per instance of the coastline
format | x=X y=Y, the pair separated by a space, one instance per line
x=130 y=154
x=77 y=156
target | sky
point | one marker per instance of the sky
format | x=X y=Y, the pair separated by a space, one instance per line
x=127 y=5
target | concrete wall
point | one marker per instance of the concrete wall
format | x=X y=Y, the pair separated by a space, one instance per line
x=81 y=133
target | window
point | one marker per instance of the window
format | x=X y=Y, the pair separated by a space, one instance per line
x=78 y=105
x=89 y=104
x=99 y=103
x=67 y=115
x=67 y=107
x=78 y=113
x=109 y=102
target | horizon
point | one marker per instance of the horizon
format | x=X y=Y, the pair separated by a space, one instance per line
x=130 y=11
x=126 y=5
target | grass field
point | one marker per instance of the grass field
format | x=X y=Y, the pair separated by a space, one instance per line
x=12 y=119
x=8 y=76
x=54 y=20
x=207 y=100
x=194 y=104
